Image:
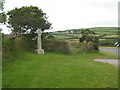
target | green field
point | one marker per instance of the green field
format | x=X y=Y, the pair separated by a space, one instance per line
x=113 y=29
x=103 y=33
x=55 y=70
x=77 y=35
x=61 y=36
x=108 y=36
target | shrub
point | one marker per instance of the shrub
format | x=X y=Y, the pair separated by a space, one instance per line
x=96 y=43
x=54 y=45
x=89 y=37
x=76 y=48
x=30 y=44
x=8 y=48
x=16 y=47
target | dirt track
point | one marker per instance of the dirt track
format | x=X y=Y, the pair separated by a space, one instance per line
x=109 y=61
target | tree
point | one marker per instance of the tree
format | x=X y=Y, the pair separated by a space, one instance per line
x=2 y=4
x=27 y=20
x=2 y=14
x=89 y=36
x=96 y=43
x=2 y=18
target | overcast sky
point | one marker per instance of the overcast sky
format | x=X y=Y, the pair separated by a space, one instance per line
x=71 y=14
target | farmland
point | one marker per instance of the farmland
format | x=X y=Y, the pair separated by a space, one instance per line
x=103 y=33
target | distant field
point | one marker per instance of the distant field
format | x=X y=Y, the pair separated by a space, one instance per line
x=104 y=29
x=61 y=37
x=102 y=32
x=112 y=36
x=77 y=35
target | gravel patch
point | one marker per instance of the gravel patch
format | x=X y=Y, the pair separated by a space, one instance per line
x=109 y=61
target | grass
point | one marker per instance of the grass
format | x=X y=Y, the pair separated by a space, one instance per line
x=77 y=35
x=108 y=47
x=55 y=70
x=104 y=29
x=61 y=36
x=102 y=32
x=112 y=36
x=109 y=31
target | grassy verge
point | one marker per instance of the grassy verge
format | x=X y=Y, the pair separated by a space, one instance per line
x=106 y=47
x=54 y=70
x=109 y=47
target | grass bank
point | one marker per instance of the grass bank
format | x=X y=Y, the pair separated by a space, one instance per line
x=55 y=70
x=108 y=47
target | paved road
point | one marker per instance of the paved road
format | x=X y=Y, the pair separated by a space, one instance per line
x=116 y=51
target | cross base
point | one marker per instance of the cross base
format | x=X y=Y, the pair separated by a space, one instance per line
x=40 y=51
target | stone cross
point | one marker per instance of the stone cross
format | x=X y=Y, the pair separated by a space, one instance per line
x=39 y=43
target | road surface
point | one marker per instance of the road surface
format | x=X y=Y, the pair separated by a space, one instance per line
x=113 y=50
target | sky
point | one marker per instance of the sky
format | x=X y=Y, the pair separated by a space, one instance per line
x=72 y=14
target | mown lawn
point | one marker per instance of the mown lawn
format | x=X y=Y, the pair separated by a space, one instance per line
x=54 y=70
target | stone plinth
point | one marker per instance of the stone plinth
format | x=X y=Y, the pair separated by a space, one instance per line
x=40 y=51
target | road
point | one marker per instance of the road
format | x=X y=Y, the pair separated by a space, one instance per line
x=114 y=50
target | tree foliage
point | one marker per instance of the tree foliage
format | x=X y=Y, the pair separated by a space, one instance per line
x=2 y=14
x=89 y=36
x=3 y=18
x=2 y=4
x=27 y=20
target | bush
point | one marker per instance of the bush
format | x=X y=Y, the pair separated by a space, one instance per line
x=76 y=48
x=54 y=45
x=96 y=43
x=16 y=47
x=89 y=37
x=8 y=48
x=30 y=44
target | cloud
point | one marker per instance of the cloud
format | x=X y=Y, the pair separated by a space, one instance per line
x=67 y=14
